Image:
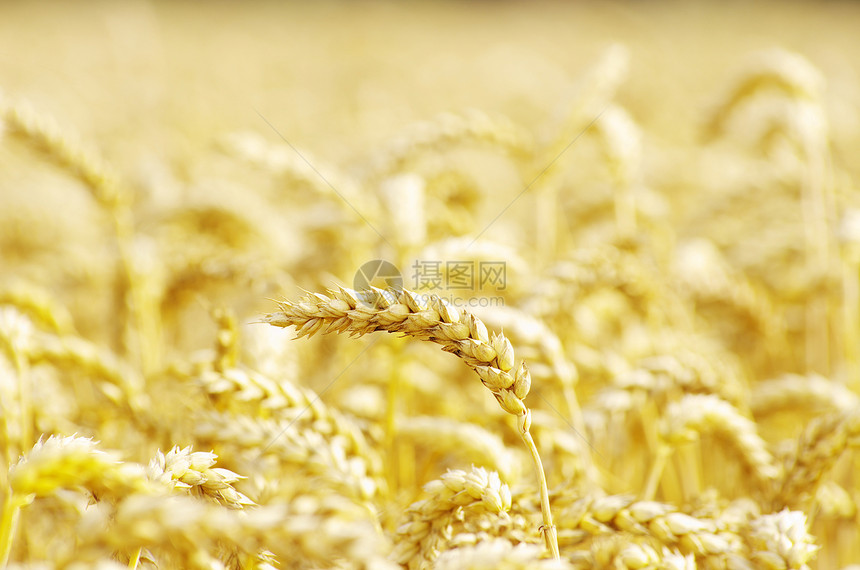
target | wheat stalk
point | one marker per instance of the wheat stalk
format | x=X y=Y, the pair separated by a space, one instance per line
x=462 y=334
x=621 y=143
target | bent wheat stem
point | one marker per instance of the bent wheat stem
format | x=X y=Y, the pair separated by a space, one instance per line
x=428 y=318
x=550 y=535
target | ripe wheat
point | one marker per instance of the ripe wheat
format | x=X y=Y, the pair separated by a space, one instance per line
x=686 y=301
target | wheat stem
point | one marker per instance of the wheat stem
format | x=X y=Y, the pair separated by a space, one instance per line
x=550 y=535
x=11 y=510
x=663 y=453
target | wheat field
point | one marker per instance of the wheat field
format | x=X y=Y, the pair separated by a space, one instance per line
x=230 y=238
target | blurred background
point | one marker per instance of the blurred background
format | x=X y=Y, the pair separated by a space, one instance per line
x=156 y=88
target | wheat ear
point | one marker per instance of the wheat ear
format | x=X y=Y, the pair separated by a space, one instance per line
x=427 y=525
x=821 y=444
x=592 y=516
x=41 y=133
x=195 y=471
x=781 y=540
x=695 y=414
x=460 y=333
x=38 y=304
x=63 y=463
x=792 y=391
x=445 y=131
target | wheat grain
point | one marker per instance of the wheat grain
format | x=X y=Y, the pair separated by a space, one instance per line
x=226 y=339
x=644 y=556
x=543 y=348
x=834 y=501
x=684 y=370
x=43 y=134
x=60 y=463
x=720 y=292
x=301 y=170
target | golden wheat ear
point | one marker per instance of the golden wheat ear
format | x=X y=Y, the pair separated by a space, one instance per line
x=432 y=319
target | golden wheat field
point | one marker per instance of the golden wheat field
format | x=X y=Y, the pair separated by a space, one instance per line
x=429 y=285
